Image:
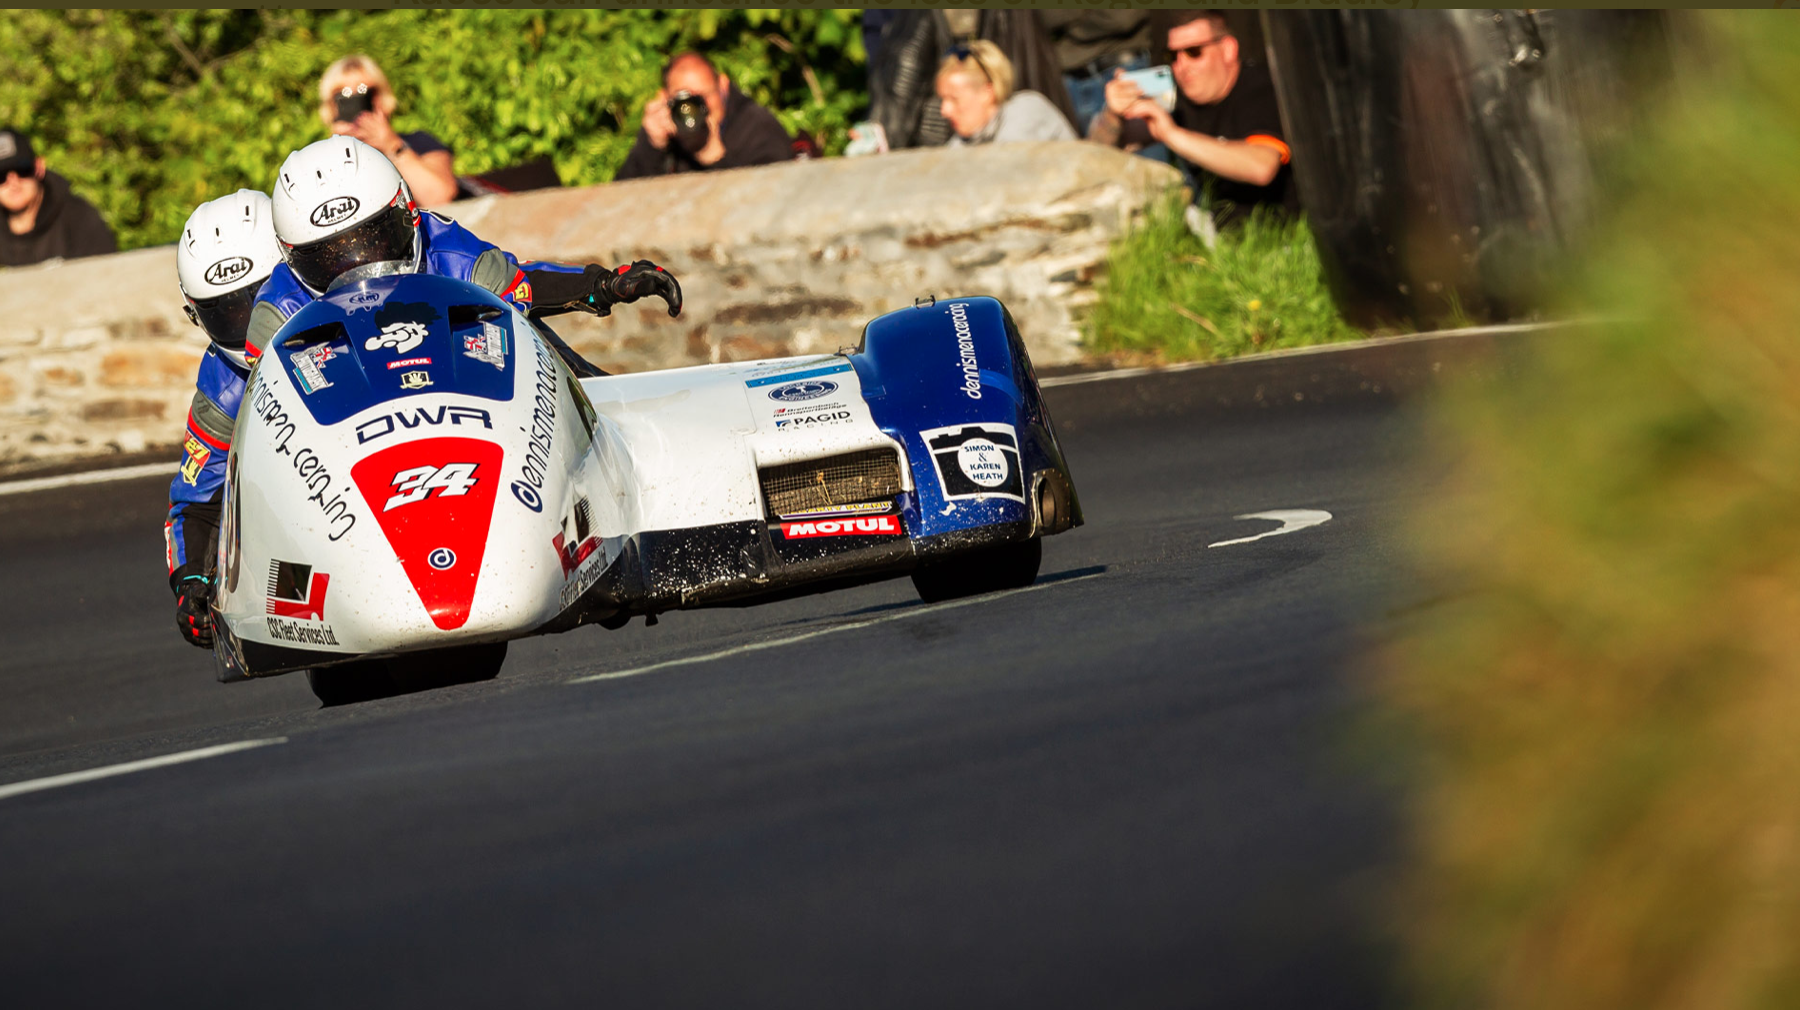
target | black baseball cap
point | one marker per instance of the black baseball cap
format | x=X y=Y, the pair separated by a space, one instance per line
x=16 y=154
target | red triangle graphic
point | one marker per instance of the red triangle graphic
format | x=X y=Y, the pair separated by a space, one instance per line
x=434 y=499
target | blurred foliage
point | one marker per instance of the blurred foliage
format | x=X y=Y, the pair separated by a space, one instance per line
x=149 y=113
x=1165 y=296
x=1607 y=692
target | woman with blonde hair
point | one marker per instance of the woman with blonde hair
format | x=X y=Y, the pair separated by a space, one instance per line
x=355 y=99
x=975 y=92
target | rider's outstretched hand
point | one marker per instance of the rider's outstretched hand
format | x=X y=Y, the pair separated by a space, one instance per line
x=641 y=280
x=596 y=289
x=192 y=615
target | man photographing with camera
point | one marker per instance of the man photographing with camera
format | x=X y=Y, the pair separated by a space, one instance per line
x=699 y=122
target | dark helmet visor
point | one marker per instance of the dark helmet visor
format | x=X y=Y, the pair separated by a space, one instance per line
x=227 y=317
x=386 y=236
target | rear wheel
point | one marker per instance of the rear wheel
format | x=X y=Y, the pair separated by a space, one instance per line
x=991 y=569
x=370 y=679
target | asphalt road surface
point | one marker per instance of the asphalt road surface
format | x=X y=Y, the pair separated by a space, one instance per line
x=1136 y=784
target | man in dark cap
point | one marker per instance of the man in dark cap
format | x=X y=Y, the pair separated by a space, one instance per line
x=43 y=219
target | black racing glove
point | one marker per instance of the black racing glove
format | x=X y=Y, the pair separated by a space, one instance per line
x=193 y=612
x=597 y=289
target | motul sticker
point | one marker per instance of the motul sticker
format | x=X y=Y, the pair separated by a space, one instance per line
x=878 y=526
x=434 y=499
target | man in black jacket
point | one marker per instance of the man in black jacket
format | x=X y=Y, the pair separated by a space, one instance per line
x=44 y=220
x=736 y=131
x=1226 y=124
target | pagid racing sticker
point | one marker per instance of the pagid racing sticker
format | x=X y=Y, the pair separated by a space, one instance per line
x=977 y=460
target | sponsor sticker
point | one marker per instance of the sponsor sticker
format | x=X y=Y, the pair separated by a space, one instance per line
x=267 y=408
x=888 y=526
x=965 y=351
x=195 y=453
x=810 y=389
x=977 y=460
x=309 y=367
x=809 y=408
x=365 y=300
x=541 y=435
x=296 y=591
x=402 y=336
x=416 y=380
x=404 y=362
x=805 y=421
x=489 y=345
x=443 y=559
x=859 y=508
x=387 y=424
x=335 y=211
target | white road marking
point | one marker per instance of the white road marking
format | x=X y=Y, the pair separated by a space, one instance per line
x=737 y=650
x=1081 y=378
x=89 y=477
x=73 y=778
x=1291 y=520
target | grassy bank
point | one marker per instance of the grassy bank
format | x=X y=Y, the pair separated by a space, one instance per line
x=1606 y=699
x=1166 y=296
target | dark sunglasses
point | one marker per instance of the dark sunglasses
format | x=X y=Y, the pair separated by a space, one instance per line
x=963 y=52
x=1195 y=52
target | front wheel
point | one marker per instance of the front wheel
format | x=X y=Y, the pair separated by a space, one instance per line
x=989 y=570
x=369 y=679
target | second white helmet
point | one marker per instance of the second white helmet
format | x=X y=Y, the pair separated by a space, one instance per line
x=227 y=250
x=340 y=205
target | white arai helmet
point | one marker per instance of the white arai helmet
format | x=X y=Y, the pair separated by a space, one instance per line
x=343 y=213
x=227 y=250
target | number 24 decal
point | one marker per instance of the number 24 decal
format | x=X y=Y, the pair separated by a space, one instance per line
x=449 y=481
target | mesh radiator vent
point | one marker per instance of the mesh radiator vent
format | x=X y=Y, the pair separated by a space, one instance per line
x=870 y=475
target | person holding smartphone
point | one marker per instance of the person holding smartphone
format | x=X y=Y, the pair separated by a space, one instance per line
x=1225 y=126
x=356 y=100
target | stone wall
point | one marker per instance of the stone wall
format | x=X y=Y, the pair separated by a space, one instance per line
x=96 y=356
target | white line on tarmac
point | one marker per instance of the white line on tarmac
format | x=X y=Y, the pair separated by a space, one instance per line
x=737 y=650
x=88 y=477
x=73 y=778
x=1081 y=378
x=1291 y=520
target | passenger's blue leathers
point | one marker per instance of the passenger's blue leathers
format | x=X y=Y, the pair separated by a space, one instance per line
x=449 y=250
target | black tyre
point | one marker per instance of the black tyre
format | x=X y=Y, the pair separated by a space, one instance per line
x=1009 y=566
x=418 y=671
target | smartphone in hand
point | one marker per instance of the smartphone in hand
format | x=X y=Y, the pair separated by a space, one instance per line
x=1157 y=84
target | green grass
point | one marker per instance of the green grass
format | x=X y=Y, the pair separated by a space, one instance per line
x=1166 y=297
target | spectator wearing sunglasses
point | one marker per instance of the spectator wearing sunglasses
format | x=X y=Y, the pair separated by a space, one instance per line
x=1225 y=127
x=44 y=220
x=976 y=96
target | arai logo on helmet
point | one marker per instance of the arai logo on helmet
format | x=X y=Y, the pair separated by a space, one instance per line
x=227 y=271
x=336 y=210
x=811 y=389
